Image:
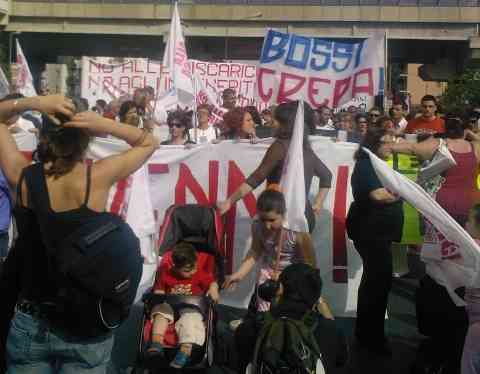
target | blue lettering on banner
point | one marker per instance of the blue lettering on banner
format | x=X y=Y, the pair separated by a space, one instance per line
x=342 y=51
x=303 y=43
x=359 y=53
x=274 y=46
x=322 y=48
x=317 y=54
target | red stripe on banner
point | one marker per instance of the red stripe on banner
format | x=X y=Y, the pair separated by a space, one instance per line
x=340 y=273
x=213 y=167
x=158 y=168
x=235 y=179
x=186 y=179
x=119 y=196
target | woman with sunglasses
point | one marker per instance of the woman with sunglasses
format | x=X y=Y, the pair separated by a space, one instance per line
x=374 y=114
x=179 y=122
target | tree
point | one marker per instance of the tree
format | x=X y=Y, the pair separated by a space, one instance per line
x=462 y=91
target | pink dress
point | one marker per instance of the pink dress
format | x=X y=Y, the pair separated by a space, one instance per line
x=288 y=255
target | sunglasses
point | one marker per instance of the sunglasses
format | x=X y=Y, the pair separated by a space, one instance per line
x=176 y=124
x=374 y=115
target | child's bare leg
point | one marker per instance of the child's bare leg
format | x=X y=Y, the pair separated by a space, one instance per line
x=160 y=325
x=162 y=315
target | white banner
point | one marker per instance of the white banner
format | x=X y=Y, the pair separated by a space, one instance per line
x=106 y=78
x=208 y=173
x=319 y=71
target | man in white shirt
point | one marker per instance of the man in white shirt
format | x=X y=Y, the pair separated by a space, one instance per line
x=397 y=112
x=205 y=133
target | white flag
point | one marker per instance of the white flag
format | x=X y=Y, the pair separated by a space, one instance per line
x=24 y=84
x=176 y=60
x=452 y=258
x=292 y=183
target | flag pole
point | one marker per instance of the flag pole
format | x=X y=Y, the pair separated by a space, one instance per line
x=385 y=70
x=195 y=114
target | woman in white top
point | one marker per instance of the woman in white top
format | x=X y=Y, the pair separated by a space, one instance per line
x=205 y=132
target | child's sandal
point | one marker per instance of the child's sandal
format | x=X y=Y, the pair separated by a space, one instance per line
x=180 y=361
x=154 y=349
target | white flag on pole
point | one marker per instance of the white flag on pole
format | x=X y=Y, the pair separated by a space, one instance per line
x=176 y=60
x=292 y=183
x=451 y=255
x=24 y=82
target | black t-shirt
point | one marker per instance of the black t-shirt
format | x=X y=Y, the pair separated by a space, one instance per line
x=367 y=219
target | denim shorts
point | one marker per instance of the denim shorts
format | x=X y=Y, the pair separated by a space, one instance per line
x=34 y=346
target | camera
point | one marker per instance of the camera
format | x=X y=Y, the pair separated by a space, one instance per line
x=268 y=290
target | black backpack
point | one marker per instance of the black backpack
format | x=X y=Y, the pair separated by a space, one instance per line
x=288 y=346
x=97 y=267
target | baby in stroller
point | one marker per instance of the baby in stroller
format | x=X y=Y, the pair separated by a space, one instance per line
x=183 y=271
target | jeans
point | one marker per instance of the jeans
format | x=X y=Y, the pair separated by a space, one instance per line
x=33 y=346
x=3 y=244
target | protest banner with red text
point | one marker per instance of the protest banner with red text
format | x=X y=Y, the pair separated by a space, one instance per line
x=319 y=71
x=208 y=173
x=107 y=78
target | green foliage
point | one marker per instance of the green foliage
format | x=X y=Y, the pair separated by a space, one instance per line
x=462 y=91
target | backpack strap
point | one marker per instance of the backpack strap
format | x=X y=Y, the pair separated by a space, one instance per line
x=89 y=182
x=19 y=200
x=37 y=190
x=39 y=200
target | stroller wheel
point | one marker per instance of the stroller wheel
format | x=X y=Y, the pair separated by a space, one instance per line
x=210 y=349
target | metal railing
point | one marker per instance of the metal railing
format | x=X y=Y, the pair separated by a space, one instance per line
x=411 y=3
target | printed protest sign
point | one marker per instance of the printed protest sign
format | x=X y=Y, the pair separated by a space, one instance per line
x=319 y=71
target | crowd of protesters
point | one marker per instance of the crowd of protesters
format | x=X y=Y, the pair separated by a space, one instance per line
x=374 y=221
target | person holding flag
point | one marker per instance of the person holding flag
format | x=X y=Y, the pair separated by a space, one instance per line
x=374 y=221
x=274 y=160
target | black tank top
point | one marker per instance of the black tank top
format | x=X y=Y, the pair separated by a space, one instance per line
x=37 y=285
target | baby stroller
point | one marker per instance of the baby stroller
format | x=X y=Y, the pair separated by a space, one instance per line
x=202 y=227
